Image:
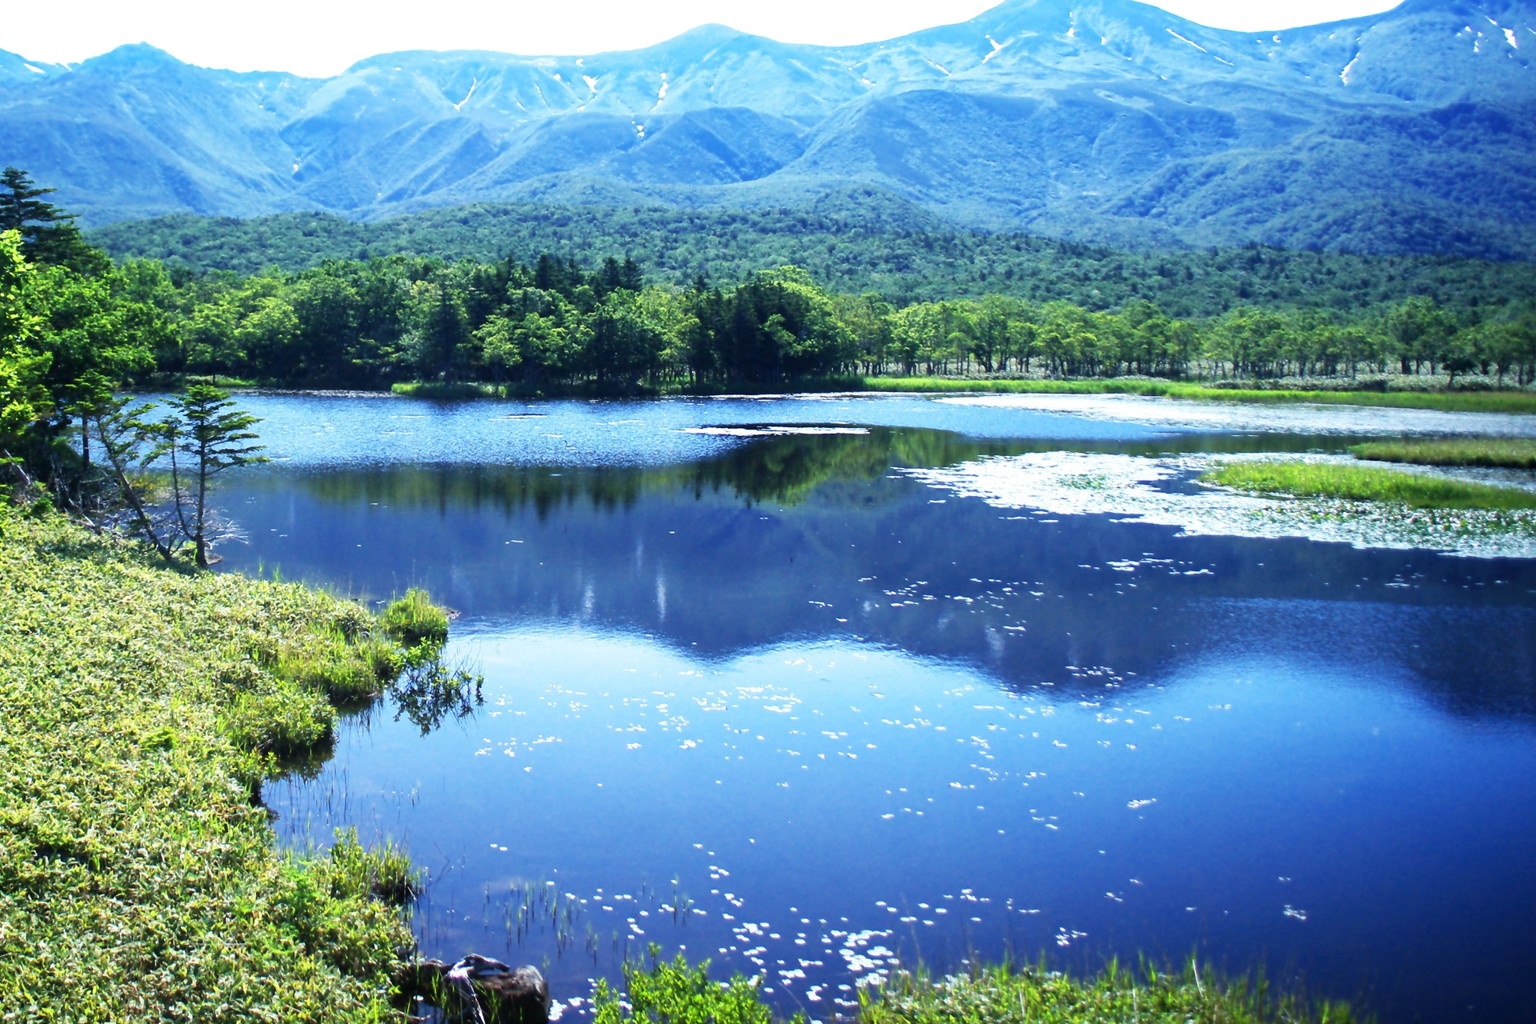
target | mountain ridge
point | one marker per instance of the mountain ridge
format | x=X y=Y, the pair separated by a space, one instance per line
x=1106 y=117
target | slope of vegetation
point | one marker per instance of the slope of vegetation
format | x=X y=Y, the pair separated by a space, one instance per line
x=142 y=707
x=853 y=246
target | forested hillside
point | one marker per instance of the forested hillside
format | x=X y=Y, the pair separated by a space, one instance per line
x=853 y=245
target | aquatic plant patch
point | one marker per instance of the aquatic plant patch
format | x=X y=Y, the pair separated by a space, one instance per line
x=1262 y=505
x=1009 y=995
x=1501 y=452
x=1367 y=483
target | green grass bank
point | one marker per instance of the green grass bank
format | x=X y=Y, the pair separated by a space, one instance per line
x=141 y=708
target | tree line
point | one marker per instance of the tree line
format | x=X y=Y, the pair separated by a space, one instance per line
x=74 y=329
x=552 y=326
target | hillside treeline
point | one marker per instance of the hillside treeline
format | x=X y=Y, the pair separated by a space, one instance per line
x=856 y=242
x=551 y=325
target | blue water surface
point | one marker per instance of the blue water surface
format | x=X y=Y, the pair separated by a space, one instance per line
x=753 y=696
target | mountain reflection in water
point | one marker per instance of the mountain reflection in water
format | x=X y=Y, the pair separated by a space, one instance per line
x=807 y=535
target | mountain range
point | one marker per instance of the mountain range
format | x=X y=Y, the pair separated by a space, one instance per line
x=1105 y=120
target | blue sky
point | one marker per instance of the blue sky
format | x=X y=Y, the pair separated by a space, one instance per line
x=323 y=37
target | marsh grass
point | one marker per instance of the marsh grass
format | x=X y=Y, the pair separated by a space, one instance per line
x=1448 y=401
x=445 y=392
x=413 y=619
x=385 y=871
x=1367 y=483
x=1497 y=452
x=1011 y=995
x=676 y=992
x=138 y=880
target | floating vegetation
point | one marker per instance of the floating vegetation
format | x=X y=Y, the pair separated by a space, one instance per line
x=1047 y=483
x=1226 y=414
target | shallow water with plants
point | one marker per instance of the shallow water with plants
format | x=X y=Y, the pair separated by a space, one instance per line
x=777 y=683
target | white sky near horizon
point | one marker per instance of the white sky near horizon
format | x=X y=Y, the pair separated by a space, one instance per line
x=323 y=37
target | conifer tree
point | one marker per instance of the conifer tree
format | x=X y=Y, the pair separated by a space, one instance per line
x=48 y=234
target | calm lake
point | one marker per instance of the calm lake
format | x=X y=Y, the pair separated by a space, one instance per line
x=763 y=684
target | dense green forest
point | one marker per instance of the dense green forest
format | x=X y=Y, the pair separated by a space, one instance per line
x=555 y=326
x=856 y=242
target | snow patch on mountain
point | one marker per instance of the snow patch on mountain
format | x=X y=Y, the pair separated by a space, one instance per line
x=1185 y=39
x=473 y=83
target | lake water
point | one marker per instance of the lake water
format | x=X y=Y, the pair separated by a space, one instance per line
x=762 y=686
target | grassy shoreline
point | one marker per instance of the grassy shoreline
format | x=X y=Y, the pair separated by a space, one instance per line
x=1505 y=401
x=1496 y=453
x=139 y=880
x=677 y=992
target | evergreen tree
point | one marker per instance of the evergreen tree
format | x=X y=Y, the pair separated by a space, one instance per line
x=48 y=234
x=215 y=436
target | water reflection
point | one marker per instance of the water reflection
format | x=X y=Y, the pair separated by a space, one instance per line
x=808 y=536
